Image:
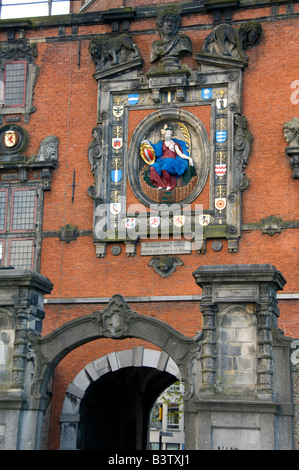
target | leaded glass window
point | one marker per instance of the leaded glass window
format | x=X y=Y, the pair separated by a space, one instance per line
x=14 y=83
x=3 y=198
x=21 y=253
x=23 y=209
x=1 y=251
x=18 y=226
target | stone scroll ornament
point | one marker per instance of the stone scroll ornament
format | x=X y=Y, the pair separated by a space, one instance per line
x=242 y=144
x=108 y=52
x=291 y=135
x=95 y=160
x=18 y=51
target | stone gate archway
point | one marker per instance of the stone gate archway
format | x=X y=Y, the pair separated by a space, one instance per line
x=117 y=322
x=255 y=413
x=154 y=370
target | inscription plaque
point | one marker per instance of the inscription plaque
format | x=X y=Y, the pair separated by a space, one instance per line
x=165 y=248
x=235 y=438
x=236 y=293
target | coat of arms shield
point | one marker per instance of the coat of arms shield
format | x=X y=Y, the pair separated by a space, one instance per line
x=10 y=139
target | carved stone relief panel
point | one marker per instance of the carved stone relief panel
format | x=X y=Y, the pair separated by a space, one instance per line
x=237 y=347
x=174 y=99
x=7 y=337
x=26 y=53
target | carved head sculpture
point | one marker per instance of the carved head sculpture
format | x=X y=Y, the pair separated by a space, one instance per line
x=48 y=149
x=241 y=121
x=97 y=134
x=250 y=34
x=165 y=265
x=168 y=23
x=172 y=45
x=291 y=132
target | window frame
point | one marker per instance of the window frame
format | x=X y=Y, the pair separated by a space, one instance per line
x=23 y=51
x=2 y=240
x=3 y=190
x=34 y=234
x=22 y=239
x=19 y=105
x=12 y=208
x=169 y=425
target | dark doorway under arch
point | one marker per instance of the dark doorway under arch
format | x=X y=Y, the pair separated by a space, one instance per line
x=115 y=409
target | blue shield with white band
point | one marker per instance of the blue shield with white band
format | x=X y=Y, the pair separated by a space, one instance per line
x=116 y=175
x=221 y=136
x=133 y=98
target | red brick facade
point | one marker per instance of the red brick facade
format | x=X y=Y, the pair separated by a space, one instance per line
x=65 y=98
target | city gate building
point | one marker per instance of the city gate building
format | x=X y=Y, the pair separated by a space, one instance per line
x=149 y=224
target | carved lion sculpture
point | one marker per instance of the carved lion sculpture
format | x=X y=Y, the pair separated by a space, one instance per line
x=226 y=41
x=106 y=52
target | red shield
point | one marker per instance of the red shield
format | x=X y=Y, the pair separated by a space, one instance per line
x=147 y=153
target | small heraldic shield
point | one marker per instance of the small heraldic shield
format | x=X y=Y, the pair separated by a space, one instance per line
x=115 y=208
x=221 y=136
x=220 y=169
x=154 y=221
x=117 y=111
x=130 y=222
x=10 y=139
x=178 y=220
x=220 y=203
x=221 y=103
x=133 y=98
x=147 y=153
x=117 y=143
x=204 y=219
x=116 y=176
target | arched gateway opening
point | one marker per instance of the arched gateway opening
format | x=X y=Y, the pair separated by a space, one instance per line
x=114 y=413
x=111 y=410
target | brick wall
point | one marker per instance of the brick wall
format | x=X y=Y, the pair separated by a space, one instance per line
x=66 y=105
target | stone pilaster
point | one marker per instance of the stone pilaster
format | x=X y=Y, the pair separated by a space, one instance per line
x=244 y=396
x=21 y=302
x=208 y=344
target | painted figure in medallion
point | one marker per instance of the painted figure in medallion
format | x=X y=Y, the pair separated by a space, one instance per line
x=171 y=160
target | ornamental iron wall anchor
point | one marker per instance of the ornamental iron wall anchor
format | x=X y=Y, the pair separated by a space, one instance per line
x=68 y=233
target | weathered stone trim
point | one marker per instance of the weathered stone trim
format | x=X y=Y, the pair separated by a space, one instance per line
x=161 y=298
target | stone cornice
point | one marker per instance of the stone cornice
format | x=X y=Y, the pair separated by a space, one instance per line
x=150 y=11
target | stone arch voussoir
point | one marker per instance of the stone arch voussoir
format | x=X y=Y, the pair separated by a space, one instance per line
x=117 y=321
x=112 y=362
